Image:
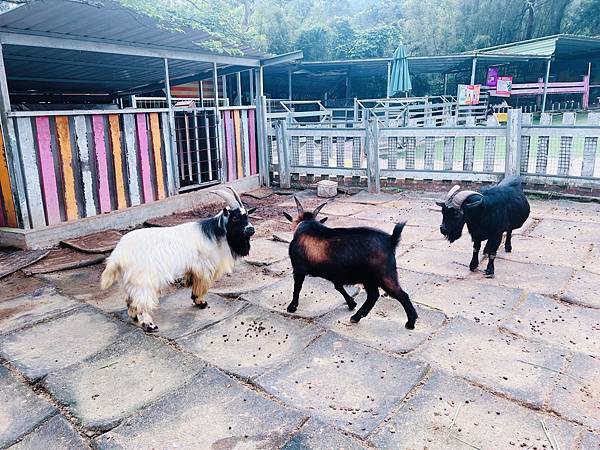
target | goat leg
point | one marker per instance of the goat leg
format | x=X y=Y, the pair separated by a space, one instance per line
x=200 y=287
x=392 y=287
x=508 y=242
x=492 y=245
x=298 y=280
x=475 y=260
x=349 y=300
x=367 y=306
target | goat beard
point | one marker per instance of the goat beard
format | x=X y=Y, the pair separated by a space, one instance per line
x=239 y=246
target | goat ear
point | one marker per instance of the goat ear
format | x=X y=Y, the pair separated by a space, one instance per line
x=323 y=220
x=440 y=203
x=473 y=204
x=318 y=209
x=288 y=217
x=298 y=206
x=250 y=211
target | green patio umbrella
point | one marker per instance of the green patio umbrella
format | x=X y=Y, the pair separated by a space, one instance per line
x=399 y=80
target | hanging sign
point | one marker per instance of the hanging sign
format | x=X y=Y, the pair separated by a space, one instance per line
x=492 y=77
x=504 y=86
x=468 y=94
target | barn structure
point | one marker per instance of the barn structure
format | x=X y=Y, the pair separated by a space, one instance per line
x=77 y=140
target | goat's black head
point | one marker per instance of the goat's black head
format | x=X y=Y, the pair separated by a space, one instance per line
x=304 y=215
x=455 y=206
x=234 y=221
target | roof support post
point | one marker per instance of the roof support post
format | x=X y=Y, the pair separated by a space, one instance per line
x=238 y=87
x=546 y=85
x=218 y=131
x=172 y=153
x=473 y=68
x=224 y=83
x=251 y=82
x=389 y=75
x=445 y=84
x=290 y=84
x=201 y=87
x=259 y=82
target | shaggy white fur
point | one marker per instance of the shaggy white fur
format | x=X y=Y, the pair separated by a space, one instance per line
x=149 y=259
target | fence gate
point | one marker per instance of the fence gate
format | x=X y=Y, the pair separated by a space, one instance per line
x=197 y=147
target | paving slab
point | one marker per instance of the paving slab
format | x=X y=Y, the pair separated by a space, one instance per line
x=266 y=251
x=436 y=241
x=21 y=410
x=213 y=411
x=583 y=289
x=577 y=393
x=315 y=434
x=84 y=284
x=452 y=264
x=251 y=341
x=590 y=441
x=308 y=198
x=448 y=413
x=280 y=269
x=101 y=242
x=366 y=198
x=29 y=309
x=267 y=228
x=546 y=251
x=576 y=211
x=521 y=369
x=259 y=193
x=384 y=327
x=412 y=282
x=283 y=236
x=538 y=278
x=63 y=259
x=17 y=285
x=568 y=231
x=57 y=433
x=382 y=213
x=109 y=386
x=254 y=278
x=344 y=384
x=430 y=217
x=592 y=264
x=317 y=297
x=549 y=320
x=177 y=316
x=11 y=262
x=334 y=208
x=482 y=303
x=58 y=343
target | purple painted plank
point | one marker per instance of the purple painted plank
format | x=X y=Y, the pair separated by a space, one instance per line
x=142 y=133
x=252 y=138
x=49 y=184
x=102 y=165
x=229 y=142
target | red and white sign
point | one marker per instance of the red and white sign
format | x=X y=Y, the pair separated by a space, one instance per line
x=504 y=86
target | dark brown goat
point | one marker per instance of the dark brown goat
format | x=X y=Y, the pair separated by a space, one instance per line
x=347 y=256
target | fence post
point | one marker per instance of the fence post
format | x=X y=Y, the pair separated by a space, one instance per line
x=513 y=142
x=261 y=141
x=372 y=150
x=283 y=154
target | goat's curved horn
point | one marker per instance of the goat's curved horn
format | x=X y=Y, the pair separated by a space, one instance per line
x=457 y=200
x=318 y=209
x=236 y=195
x=445 y=200
x=298 y=205
x=228 y=197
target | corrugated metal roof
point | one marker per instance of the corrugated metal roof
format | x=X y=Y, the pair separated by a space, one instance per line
x=65 y=70
x=558 y=46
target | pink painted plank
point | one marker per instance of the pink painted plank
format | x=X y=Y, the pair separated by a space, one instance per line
x=142 y=133
x=229 y=142
x=100 y=147
x=252 y=139
x=49 y=184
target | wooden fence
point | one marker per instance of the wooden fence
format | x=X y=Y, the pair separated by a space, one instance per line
x=564 y=155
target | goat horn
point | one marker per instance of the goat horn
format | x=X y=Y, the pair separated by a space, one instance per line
x=299 y=205
x=227 y=196
x=318 y=209
x=445 y=200
x=236 y=195
x=457 y=200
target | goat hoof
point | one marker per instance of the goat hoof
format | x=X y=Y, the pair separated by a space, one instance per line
x=508 y=249
x=149 y=327
x=355 y=318
x=410 y=325
x=473 y=267
x=202 y=305
x=489 y=274
x=291 y=309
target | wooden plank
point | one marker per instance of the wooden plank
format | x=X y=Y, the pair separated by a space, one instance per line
x=66 y=159
x=142 y=135
x=156 y=148
x=590 y=146
x=229 y=145
x=63 y=259
x=6 y=186
x=245 y=142
x=238 y=144
x=46 y=159
x=283 y=155
x=170 y=165
x=101 y=242
x=117 y=152
x=129 y=131
x=84 y=160
x=252 y=141
x=101 y=163
x=15 y=170
x=11 y=262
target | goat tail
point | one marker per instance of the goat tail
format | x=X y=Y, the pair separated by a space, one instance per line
x=396 y=233
x=110 y=274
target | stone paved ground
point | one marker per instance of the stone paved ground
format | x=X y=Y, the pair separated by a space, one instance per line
x=490 y=364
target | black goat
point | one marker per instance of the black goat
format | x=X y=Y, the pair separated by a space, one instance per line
x=347 y=256
x=488 y=214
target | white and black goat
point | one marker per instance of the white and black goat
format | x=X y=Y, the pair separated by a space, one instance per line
x=347 y=256
x=149 y=259
x=488 y=215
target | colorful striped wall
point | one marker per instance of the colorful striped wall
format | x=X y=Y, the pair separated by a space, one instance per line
x=238 y=127
x=75 y=166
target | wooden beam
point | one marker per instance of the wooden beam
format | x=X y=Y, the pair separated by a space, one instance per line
x=546 y=86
